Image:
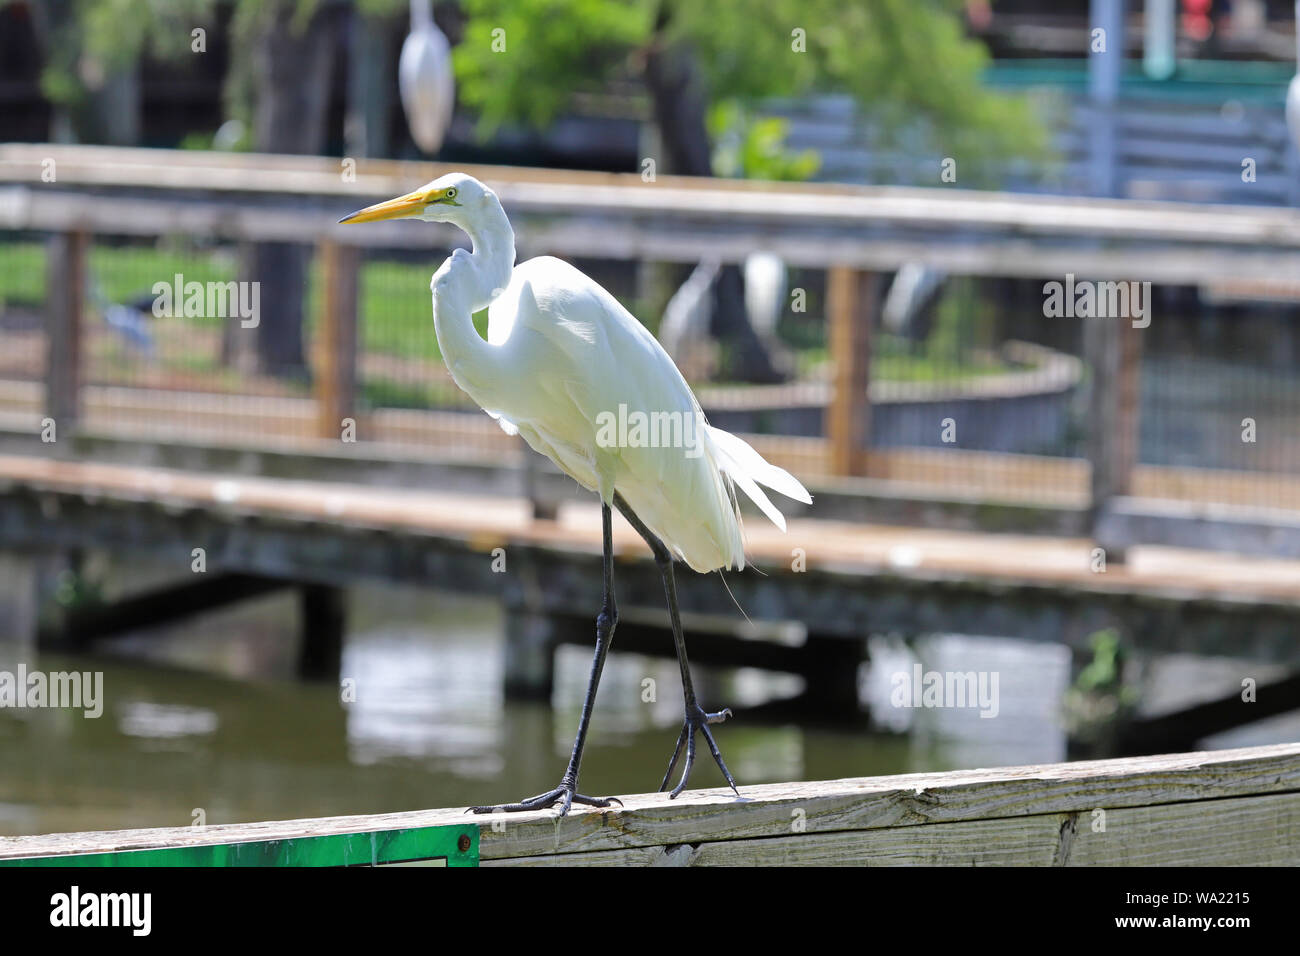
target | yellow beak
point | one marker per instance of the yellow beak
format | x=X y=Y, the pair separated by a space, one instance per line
x=412 y=204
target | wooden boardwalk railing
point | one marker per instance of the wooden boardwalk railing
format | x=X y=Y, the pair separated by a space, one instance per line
x=1230 y=807
x=852 y=232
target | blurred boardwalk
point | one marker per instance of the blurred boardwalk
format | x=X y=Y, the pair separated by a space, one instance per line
x=289 y=426
x=838 y=579
x=488 y=521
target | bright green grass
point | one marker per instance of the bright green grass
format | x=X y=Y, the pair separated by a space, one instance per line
x=899 y=361
x=896 y=360
x=122 y=272
x=22 y=273
x=395 y=307
x=396 y=310
x=395 y=303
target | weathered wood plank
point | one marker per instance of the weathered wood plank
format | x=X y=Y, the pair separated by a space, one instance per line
x=640 y=856
x=1251 y=831
x=1246 y=831
x=904 y=801
x=1029 y=841
x=1246 y=798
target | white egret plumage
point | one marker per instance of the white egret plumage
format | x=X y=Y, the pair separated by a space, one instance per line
x=562 y=361
x=425 y=79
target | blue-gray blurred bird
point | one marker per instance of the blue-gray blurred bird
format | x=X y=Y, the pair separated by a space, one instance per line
x=129 y=320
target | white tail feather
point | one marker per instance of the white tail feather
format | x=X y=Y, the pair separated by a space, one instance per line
x=758 y=468
x=748 y=469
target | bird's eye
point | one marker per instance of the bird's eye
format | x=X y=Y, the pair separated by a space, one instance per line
x=451 y=193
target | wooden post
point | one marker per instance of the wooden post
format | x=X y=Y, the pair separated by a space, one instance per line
x=1129 y=396
x=850 y=305
x=336 y=338
x=323 y=615
x=1112 y=348
x=830 y=669
x=530 y=653
x=65 y=297
x=546 y=507
x=50 y=570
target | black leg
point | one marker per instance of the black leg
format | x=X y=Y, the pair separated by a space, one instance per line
x=696 y=719
x=566 y=794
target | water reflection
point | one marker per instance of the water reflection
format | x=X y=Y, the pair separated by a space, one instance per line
x=418 y=699
x=213 y=721
x=162 y=723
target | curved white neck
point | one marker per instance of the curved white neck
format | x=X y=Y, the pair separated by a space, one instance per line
x=462 y=286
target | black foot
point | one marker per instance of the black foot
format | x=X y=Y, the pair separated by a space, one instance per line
x=697 y=720
x=564 y=794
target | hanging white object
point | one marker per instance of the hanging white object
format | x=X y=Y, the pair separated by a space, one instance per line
x=1293 y=109
x=425 y=79
x=1293 y=92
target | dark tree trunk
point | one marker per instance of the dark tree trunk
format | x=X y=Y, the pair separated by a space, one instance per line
x=677 y=96
x=109 y=110
x=367 y=128
x=294 y=64
x=679 y=102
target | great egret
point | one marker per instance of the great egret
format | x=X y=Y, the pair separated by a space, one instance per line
x=571 y=370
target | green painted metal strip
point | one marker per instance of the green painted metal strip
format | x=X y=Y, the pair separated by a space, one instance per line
x=418 y=846
x=1203 y=81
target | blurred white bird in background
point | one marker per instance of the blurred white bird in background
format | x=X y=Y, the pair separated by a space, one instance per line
x=765 y=288
x=425 y=79
x=914 y=286
x=684 y=329
x=562 y=359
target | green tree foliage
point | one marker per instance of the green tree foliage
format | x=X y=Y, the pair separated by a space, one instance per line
x=552 y=49
x=907 y=63
x=88 y=39
x=749 y=147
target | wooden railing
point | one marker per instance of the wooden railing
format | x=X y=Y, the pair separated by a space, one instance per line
x=1224 y=808
x=852 y=232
